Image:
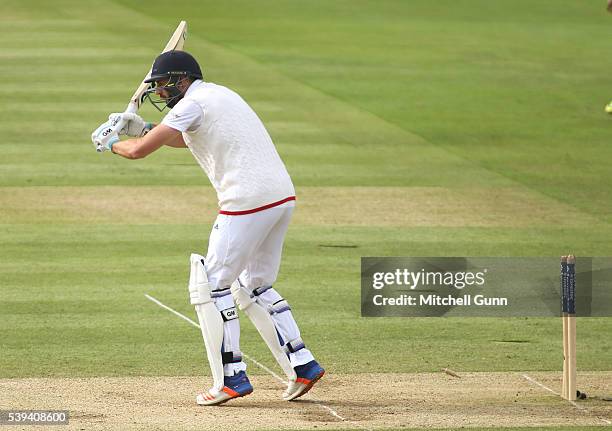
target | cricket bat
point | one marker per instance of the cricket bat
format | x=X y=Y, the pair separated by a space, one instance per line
x=176 y=42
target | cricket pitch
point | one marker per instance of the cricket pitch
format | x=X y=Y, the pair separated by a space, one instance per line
x=356 y=401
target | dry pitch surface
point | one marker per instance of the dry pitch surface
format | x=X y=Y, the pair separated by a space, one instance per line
x=514 y=206
x=358 y=401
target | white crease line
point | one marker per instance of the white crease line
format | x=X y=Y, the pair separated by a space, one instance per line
x=525 y=376
x=329 y=409
x=260 y=365
x=263 y=367
x=540 y=384
x=182 y=316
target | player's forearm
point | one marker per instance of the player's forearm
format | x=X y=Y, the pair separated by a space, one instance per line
x=130 y=149
x=137 y=148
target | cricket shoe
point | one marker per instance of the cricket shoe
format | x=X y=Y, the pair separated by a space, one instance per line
x=235 y=386
x=307 y=375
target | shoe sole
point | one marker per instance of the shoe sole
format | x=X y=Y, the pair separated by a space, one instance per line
x=240 y=395
x=309 y=386
x=244 y=394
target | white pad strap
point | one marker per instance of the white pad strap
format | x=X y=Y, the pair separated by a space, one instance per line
x=265 y=326
x=294 y=345
x=279 y=306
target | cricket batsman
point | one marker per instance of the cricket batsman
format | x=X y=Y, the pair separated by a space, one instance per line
x=256 y=200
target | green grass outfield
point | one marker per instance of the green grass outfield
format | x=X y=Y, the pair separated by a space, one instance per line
x=484 y=118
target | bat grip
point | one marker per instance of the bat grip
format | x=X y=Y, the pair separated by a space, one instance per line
x=132 y=108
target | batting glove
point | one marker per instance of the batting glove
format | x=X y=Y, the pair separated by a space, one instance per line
x=105 y=136
x=134 y=126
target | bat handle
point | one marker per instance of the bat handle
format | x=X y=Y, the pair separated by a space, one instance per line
x=132 y=108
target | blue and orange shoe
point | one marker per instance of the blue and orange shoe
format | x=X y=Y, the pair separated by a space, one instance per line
x=235 y=386
x=307 y=375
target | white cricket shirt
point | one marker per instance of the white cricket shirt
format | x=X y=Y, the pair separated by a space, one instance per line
x=232 y=146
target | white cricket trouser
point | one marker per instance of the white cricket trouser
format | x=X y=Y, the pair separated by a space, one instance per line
x=250 y=246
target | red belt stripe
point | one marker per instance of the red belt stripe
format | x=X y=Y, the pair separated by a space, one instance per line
x=254 y=210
